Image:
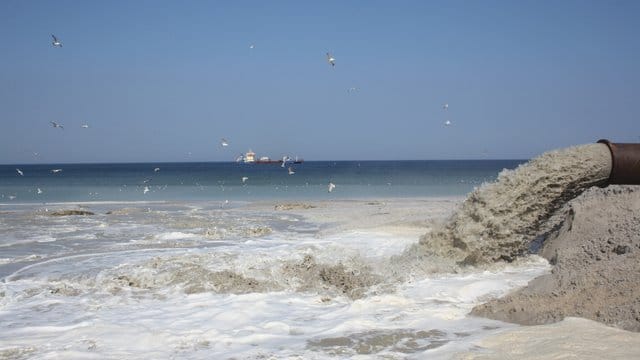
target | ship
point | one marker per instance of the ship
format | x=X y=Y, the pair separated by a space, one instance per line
x=250 y=158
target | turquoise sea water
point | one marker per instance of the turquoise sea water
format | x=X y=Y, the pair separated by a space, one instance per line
x=223 y=181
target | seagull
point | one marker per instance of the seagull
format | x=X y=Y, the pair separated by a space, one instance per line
x=55 y=171
x=331 y=59
x=291 y=172
x=284 y=160
x=445 y=106
x=224 y=142
x=331 y=186
x=156 y=169
x=39 y=191
x=244 y=179
x=352 y=89
x=251 y=46
x=447 y=123
x=146 y=190
x=20 y=172
x=84 y=126
x=56 y=42
x=56 y=125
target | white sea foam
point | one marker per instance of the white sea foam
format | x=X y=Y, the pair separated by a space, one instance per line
x=174 y=235
x=285 y=294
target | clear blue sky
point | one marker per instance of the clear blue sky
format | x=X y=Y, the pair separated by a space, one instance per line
x=165 y=80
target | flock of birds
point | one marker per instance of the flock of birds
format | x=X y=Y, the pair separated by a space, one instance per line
x=223 y=142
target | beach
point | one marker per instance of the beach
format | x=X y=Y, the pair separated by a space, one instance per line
x=308 y=279
x=586 y=307
x=276 y=279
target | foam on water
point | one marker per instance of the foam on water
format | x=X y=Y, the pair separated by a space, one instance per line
x=152 y=284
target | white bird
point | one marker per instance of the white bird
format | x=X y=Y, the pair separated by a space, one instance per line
x=84 y=126
x=39 y=191
x=291 y=172
x=11 y=197
x=20 y=172
x=55 y=171
x=156 y=169
x=445 y=106
x=284 y=161
x=224 y=142
x=146 y=190
x=331 y=59
x=56 y=125
x=331 y=186
x=56 y=42
x=251 y=46
x=447 y=123
x=352 y=89
x=244 y=179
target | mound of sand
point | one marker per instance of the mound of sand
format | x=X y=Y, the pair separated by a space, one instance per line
x=595 y=253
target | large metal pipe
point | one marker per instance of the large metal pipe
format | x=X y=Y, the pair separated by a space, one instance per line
x=625 y=163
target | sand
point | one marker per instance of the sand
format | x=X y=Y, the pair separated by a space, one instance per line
x=498 y=220
x=573 y=338
x=595 y=253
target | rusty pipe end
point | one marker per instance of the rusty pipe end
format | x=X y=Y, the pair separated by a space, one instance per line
x=625 y=163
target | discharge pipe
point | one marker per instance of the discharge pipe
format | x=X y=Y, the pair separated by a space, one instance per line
x=625 y=163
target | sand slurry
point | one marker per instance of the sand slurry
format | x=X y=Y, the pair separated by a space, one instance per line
x=596 y=257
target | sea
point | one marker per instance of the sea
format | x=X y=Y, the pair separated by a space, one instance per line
x=224 y=180
x=172 y=261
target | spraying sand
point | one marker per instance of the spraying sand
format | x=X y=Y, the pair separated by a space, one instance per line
x=499 y=220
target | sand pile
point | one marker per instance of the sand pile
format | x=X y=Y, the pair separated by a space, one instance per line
x=596 y=258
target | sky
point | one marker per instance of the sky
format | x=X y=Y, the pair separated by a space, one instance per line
x=164 y=81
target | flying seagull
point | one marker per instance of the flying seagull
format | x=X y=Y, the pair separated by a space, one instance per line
x=224 y=142
x=291 y=172
x=156 y=169
x=20 y=172
x=55 y=171
x=84 y=126
x=244 y=179
x=251 y=46
x=39 y=191
x=56 y=125
x=331 y=186
x=447 y=123
x=146 y=190
x=331 y=59
x=352 y=89
x=56 y=42
x=445 y=106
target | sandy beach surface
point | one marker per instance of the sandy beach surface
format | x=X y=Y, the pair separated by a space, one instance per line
x=588 y=307
x=394 y=216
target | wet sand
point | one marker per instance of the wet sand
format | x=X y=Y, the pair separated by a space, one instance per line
x=572 y=338
x=595 y=253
